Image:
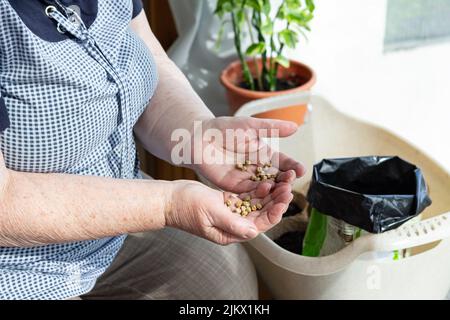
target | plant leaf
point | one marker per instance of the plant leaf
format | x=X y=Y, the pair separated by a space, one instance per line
x=283 y=61
x=289 y=38
x=218 y=42
x=281 y=12
x=253 y=4
x=293 y=4
x=299 y=17
x=223 y=6
x=300 y=30
x=255 y=49
x=266 y=7
x=267 y=28
x=310 y=4
x=240 y=15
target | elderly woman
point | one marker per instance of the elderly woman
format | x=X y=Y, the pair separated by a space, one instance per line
x=79 y=80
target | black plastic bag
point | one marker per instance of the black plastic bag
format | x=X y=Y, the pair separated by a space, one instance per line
x=373 y=193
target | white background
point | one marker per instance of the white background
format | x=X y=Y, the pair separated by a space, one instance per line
x=406 y=91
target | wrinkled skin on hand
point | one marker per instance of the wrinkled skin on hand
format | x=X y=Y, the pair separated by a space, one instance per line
x=201 y=210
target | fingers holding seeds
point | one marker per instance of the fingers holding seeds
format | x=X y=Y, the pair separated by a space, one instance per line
x=246 y=178
x=287 y=176
x=272 y=212
x=284 y=199
x=269 y=196
x=258 y=172
x=244 y=204
x=262 y=189
x=285 y=163
x=234 y=225
x=275 y=214
x=251 y=205
x=280 y=188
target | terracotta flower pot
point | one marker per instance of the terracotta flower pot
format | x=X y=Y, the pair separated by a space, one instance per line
x=232 y=76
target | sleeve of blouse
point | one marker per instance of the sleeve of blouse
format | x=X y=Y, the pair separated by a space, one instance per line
x=137 y=7
x=4 y=120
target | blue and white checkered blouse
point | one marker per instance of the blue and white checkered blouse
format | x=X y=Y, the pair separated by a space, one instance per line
x=72 y=105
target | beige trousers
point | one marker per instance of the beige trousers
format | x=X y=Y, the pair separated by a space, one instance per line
x=171 y=264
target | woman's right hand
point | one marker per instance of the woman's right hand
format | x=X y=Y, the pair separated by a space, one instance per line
x=200 y=210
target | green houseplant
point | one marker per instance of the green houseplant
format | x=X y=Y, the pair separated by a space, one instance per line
x=262 y=69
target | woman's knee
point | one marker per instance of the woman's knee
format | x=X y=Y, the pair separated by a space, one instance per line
x=172 y=264
x=232 y=274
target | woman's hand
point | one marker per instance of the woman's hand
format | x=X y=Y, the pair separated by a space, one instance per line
x=200 y=210
x=249 y=131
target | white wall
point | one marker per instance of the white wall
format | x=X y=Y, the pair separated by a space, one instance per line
x=406 y=91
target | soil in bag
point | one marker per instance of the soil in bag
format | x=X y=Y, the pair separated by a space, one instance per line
x=291 y=241
x=366 y=194
x=289 y=233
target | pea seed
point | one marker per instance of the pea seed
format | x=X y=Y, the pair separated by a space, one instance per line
x=238 y=204
x=253 y=178
x=259 y=206
x=239 y=211
x=228 y=203
x=248 y=162
x=247 y=198
x=264 y=177
x=254 y=208
x=243 y=208
x=259 y=169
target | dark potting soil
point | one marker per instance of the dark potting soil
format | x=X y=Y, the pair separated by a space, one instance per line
x=282 y=84
x=292 y=209
x=291 y=241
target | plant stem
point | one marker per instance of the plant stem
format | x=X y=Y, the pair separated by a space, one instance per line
x=237 y=42
x=255 y=61
x=273 y=75
x=257 y=23
x=280 y=51
x=273 y=67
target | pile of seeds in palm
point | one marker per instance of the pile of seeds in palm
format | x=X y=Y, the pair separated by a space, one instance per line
x=261 y=173
x=244 y=206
